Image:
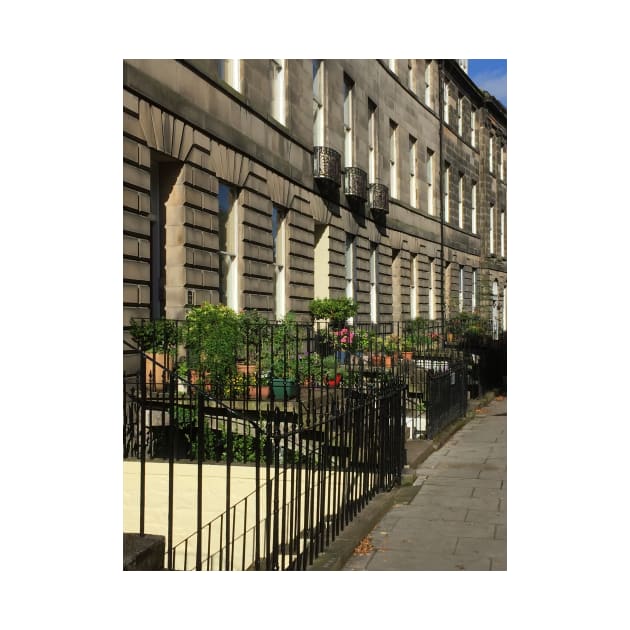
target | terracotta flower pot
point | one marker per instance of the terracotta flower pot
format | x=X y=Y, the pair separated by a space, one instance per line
x=252 y=392
x=156 y=374
x=246 y=368
x=194 y=379
x=334 y=382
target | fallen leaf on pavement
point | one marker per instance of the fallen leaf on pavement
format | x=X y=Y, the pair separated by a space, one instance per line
x=364 y=547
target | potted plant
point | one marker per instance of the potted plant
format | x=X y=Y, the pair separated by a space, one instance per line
x=336 y=310
x=284 y=358
x=408 y=345
x=252 y=326
x=310 y=367
x=158 y=341
x=332 y=370
x=258 y=386
x=211 y=337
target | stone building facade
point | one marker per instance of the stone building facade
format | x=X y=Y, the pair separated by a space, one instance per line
x=265 y=183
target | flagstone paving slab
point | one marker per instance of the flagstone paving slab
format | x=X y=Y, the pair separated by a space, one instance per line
x=457 y=521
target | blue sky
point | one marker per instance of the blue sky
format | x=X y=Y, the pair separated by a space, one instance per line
x=490 y=75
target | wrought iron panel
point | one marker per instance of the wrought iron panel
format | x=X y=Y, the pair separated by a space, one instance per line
x=327 y=165
x=378 y=197
x=355 y=182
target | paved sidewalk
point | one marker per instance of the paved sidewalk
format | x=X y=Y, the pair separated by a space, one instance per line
x=458 y=518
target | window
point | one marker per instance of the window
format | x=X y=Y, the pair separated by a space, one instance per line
x=348 y=128
x=446 y=95
x=502 y=233
x=473 y=211
x=228 y=246
x=350 y=259
x=372 y=142
x=495 y=309
x=393 y=159
x=460 y=295
x=473 y=298
x=318 y=103
x=279 y=240
x=279 y=90
x=460 y=120
x=473 y=126
x=430 y=208
x=413 y=289
x=460 y=201
x=411 y=74
x=413 y=182
x=431 y=288
x=447 y=290
x=320 y=254
x=501 y=163
x=396 y=284
x=427 y=83
x=374 y=282
x=164 y=183
x=491 y=154
x=391 y=64
x=447 y=183
x=230 y=72
x=491 y=230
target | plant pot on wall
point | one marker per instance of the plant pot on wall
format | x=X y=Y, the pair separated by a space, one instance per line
x=382 y=360
x=284 y=388
x=246 y=368
x=194 y=379
x=334 y=382
x=157 y=369
x=253 y=392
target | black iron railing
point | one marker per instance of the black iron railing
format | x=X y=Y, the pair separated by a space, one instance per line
x=289 y=433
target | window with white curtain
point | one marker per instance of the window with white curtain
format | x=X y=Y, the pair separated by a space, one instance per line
x=430 y=175
x=279 y=90
x=460 y=201
x=230 y=72
x=473 y=210
x=374 y=283
x=228 y=246
x=348 y=126
x=413 y=290
x=393 y=159
x=372 y=142
x=318 y=102
x=279 y=240
x=431 y=288
x=446 y=97
x=447 y=184
x=413 y=165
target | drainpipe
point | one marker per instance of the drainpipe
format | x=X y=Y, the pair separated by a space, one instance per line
x=440 y=118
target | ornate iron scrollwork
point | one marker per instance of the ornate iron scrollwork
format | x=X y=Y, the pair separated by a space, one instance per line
x=327 y=165
x=355 y=182
x=378 y=198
